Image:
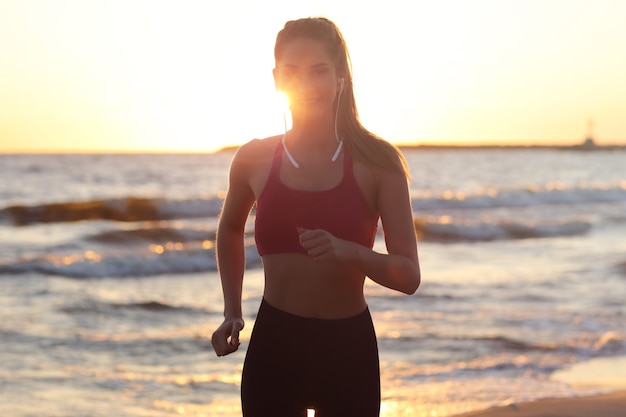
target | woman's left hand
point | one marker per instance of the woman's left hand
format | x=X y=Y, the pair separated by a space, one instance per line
x=324 y=246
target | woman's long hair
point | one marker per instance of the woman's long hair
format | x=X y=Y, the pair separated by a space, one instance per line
x=363 y=144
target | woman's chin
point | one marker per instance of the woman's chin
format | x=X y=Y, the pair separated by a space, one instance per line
x=310 y=110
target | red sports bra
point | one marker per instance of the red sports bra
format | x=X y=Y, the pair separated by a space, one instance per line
x=341 y=210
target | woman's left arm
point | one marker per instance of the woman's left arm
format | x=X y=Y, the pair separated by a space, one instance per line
x=399 y=268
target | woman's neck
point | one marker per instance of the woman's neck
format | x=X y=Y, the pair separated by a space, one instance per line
x=307 y=142
x=312 y=132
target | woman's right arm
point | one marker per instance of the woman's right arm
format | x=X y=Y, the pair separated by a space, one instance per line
x=231 y=252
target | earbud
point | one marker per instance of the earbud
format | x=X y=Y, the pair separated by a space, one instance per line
x=341 y=83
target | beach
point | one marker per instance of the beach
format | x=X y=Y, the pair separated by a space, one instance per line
x=608 y=375
x=109 y=290
x=608 y=405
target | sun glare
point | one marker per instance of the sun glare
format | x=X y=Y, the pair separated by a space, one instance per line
x=281 y=104
x=154 y=77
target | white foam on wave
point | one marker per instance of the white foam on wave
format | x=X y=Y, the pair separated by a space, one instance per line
x=446 y=229
x=605 y=372
x=157 y=260
x=549 y=194
x=191 y=208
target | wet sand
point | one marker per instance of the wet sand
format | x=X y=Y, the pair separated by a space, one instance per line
x=608 y=405
x=605 y=374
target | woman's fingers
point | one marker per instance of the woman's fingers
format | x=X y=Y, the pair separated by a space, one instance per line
x=309 y=239
x=318 y=243
x=234 y=335
x=225 y=339
x=220 y=344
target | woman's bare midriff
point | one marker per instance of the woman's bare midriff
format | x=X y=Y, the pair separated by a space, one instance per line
x=300 y=285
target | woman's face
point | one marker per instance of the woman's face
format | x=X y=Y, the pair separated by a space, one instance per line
x=306 y=73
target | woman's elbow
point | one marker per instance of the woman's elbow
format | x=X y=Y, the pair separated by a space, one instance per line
x=413 y=280
x=413 y=285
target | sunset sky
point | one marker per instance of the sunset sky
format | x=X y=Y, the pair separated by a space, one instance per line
x=146 y=75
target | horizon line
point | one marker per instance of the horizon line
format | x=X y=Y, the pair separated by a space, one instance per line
x=424 y=145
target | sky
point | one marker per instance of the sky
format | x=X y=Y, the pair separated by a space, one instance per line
x=190 y=75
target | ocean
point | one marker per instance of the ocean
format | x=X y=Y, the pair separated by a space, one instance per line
x=109 y=291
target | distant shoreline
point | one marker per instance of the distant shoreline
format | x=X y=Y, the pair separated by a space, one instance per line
x=516 y=147
x=585 y=147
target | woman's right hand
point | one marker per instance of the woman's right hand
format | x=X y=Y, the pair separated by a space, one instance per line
x=225 y=339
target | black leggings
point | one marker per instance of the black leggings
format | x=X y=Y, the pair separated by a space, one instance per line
x=294 y=363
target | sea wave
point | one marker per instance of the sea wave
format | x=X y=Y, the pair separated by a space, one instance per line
x=532 y=195
x=157 y=260
x=152 y=306
x=165 y=238
x=445 y=229
x=140 y=208
x=157 y=234
x=160 y=249
x=128 y=209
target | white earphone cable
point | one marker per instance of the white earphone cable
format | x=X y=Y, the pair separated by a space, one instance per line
x=339 y=147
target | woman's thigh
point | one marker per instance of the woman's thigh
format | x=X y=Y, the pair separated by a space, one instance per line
x=294 y=363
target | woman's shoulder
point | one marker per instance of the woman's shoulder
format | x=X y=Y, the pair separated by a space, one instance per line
x=381 y=157
x=257 y=150
x=253 y=160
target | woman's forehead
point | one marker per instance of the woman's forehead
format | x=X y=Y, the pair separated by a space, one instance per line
x=304 y=52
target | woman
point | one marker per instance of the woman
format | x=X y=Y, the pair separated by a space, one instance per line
x=319 y=190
